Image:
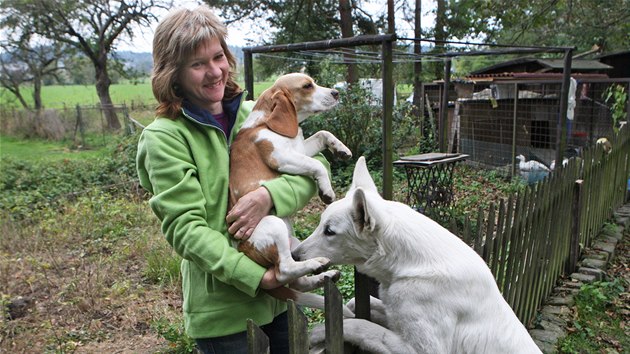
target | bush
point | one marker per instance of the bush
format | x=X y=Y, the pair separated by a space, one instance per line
x=358 y=124
x=26 y=186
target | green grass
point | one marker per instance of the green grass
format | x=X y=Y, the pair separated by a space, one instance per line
x=599 y=326
x=58 y=96
x=44 y=150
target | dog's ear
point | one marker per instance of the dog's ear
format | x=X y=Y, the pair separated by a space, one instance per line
x=283 y=117
x=362 y=216
x=361 y=177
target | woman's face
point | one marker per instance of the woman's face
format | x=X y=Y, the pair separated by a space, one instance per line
x=204 y=75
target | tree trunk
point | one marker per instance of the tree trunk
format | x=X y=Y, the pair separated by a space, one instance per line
x=417 y=66
x=418 y=92
x=102 y=90
x=37 y=92
x=391 y=22
x=440 y=35
x=345 y=13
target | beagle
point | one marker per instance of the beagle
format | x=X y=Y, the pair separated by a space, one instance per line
x=269 y=143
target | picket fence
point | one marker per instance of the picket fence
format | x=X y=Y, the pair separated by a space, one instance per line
x=528 y=241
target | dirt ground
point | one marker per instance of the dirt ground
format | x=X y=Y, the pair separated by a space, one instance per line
x=68 y=295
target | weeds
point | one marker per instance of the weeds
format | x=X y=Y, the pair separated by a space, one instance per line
x=174 y=333
x=597 y=325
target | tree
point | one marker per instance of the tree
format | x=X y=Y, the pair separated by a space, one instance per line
x=26 y=59
x=90 y=26
x=418 y=100
x=580 y=23
x=345 y=14
x=299 y=21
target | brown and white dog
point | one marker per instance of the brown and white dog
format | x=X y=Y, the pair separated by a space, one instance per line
x=269 y=143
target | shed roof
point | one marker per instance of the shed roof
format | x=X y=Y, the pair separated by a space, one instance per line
x=543 y=65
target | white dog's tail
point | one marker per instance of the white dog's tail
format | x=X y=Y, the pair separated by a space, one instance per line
x=305 y=299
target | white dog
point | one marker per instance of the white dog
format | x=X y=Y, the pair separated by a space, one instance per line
x=438 y=295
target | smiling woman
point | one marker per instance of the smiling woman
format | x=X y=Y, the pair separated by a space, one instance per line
x=183 y=160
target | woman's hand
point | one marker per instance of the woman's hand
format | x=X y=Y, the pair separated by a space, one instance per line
x=248 y=212
x=269 y=280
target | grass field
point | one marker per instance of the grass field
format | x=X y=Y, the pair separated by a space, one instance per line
x=58 y=96
x=44 y=150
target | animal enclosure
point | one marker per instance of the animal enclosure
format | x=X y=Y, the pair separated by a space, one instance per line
x=528 y=241
x=534 y=237
x=494 y=123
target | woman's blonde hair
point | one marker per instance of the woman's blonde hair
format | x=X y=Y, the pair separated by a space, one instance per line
x=177 y=37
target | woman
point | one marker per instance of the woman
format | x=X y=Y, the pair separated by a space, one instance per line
x=183 y=161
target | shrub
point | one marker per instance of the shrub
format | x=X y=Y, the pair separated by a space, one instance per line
x=358 y=124
x=26 y=186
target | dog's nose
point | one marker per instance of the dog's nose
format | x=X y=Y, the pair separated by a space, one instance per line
x=335 y=94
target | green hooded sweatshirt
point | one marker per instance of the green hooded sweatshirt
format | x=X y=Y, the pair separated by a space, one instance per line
x=184 y=164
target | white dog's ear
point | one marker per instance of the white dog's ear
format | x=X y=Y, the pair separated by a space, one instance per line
x=361 y=177
x=362 y=216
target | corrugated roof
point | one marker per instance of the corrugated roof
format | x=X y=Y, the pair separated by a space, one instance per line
x=613 y=54
x=577 y=64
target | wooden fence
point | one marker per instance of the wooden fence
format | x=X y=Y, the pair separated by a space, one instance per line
x=536 y=236
x=528 y=241
x=84 y=125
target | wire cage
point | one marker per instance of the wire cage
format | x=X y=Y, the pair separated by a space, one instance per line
x=499 y=121
x=430 y=182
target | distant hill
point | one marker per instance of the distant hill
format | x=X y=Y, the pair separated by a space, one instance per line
x=140 y=62
x=143 y=62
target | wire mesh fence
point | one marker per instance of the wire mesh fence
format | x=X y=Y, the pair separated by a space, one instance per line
x=493 y=123
x=83 y=125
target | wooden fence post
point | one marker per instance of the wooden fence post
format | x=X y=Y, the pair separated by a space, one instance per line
x=79 y=126
x=129 y=127
x=574 y=247
x=257 y=340
x=298 y=331
x=334 y=318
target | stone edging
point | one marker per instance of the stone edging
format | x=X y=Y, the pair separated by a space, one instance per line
x=555 y=314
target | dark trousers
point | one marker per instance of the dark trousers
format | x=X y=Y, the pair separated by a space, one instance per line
x=277 y=331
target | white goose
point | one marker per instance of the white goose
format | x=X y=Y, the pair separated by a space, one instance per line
x=531 y=165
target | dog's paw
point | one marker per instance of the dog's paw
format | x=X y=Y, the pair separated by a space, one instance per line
x=343 y=154
x=333 y=274
x=327 y=197
x=318 y=336
x=319 y=264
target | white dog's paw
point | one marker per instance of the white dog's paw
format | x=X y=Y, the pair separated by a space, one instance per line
x=312 y=282
x=333 y=274
x=318 y=335
x=318 y=264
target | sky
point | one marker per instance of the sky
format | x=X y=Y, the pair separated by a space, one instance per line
x=239 y=32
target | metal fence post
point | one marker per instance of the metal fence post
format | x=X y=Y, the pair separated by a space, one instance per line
x=248 y=65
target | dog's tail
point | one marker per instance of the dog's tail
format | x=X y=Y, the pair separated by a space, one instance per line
x=304 y=299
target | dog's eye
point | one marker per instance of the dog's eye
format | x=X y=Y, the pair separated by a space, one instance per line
x=308 y=86
x=328 y=231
